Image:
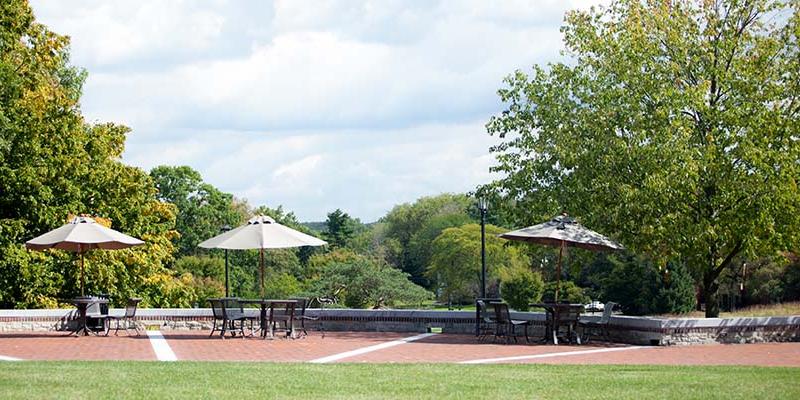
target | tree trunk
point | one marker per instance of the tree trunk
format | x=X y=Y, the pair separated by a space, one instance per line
x=710 y=289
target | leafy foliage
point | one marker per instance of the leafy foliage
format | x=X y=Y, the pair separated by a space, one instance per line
x=341 y=228
x=405 y=221
x=677 y=292
x=675 y=130
x=569 y=291
x=456 y=260
x=520 y=287
x=53 y=164
x=773 y=280
x=202 y=209
x=359 y=282
x=641 y=288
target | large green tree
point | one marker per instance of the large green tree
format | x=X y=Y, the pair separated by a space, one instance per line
x=340 y=228
x=673 y=128
x=202 y=208
x=406 y=221
x=455 y=263
x=53 y=164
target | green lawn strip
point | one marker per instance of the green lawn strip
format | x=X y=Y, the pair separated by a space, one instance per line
x=134 y=380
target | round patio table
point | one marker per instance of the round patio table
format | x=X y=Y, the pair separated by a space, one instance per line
x=82 y=304
x=272 y=304
x=554 y=319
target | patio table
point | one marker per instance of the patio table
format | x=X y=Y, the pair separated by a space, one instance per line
x=272 y=304
x=555 y=319
x=82 y=304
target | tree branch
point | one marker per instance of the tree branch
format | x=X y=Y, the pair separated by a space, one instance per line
x=727 y=261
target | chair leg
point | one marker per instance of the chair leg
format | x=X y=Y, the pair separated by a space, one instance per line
x=224 y=328
x=514 y=332
x=555 y=336
x=135 y=327
x=527 y=340
x=213 y=328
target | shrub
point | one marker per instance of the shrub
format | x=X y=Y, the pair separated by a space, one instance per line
x=280 y=285
x=640 y=288
x=677 y=294
x=569 y=292
x=362 y=282
x=201 y=266
x=519 y=287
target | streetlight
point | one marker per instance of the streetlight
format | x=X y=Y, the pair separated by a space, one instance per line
x=483 y=206
x=224 y=229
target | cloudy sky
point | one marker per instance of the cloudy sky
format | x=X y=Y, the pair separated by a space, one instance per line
x=318 y=105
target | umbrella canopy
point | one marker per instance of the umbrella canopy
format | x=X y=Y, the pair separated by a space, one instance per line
x=562 y=231
x=81 y=235
x=261 y=232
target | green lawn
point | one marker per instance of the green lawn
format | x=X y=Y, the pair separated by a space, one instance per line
x=157 y=380
x=761 y=310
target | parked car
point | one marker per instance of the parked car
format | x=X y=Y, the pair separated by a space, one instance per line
x=594 y=306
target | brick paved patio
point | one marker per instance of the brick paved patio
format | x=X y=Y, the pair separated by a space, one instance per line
x=382 y=347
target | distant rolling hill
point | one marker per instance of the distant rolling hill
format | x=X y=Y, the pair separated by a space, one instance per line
x=316 y=226
x=322 y=226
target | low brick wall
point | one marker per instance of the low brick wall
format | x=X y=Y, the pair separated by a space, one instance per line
x=622 y=329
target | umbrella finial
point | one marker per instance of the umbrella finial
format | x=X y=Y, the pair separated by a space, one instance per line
x=261 y=219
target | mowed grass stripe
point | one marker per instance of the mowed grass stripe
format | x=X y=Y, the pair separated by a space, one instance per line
x=135 y=380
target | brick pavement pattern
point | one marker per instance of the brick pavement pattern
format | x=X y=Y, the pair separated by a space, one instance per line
x=196 y=345
x=58 y=346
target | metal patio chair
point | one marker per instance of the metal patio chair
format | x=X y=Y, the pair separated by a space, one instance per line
x=590 y=329
x=487 y=322
x=127 y=319
x=227 y=312
x=507 y=327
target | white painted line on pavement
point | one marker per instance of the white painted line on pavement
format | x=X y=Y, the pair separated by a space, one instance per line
x=549 y=355
x=369 y=349
x=7 y=358
x=161 y=347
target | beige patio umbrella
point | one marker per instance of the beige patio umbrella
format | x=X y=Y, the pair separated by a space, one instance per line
x=81 y=235
x=261 y=232
x=562 y=231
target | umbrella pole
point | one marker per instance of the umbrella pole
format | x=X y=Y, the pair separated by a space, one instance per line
x=261 y=270
x=558 y=270
x=82 y=278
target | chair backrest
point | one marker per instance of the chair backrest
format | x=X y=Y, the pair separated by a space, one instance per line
x=93 y=309
x=281 y=309
x=486 y=311
x=216 y=307
x=571 y=313
x=232 y=307
x=130 y=308
x=501 y=313
x=103 y=305
x=300 y=307
x=564 y=313
x=483 y=313
x=608 y=309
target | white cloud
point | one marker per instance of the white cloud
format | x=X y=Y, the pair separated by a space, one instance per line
x=316 y=105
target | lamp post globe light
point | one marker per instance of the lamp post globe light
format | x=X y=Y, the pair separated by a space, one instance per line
x=483 y=206
x=224 y=229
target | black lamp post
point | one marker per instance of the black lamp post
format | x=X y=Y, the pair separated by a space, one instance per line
x=483 y=206
x=224 y=229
